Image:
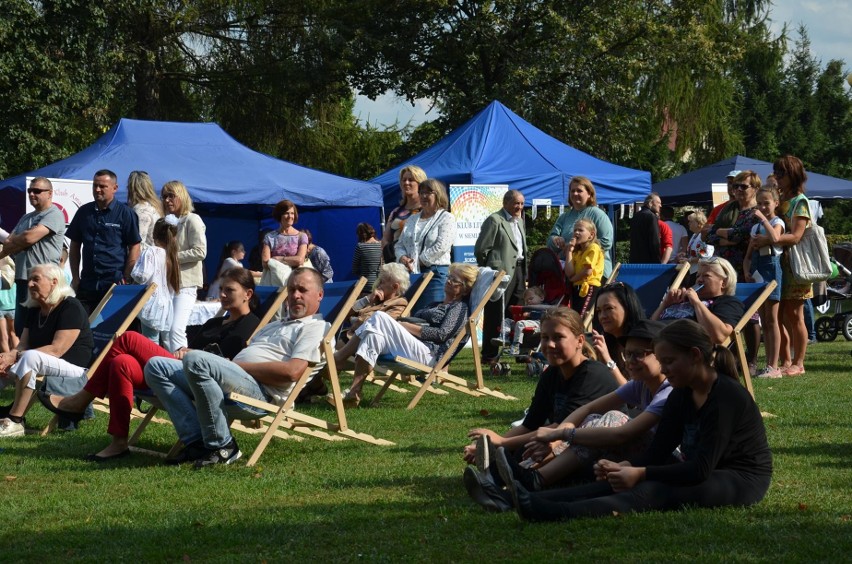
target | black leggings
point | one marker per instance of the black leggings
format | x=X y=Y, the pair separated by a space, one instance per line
x=582 y=304
x=722 y=488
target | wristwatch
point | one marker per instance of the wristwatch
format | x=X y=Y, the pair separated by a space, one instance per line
x=611 y=365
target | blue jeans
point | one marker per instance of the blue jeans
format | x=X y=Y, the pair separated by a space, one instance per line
x=434 y=291
x=207 y=378
x=809 y=319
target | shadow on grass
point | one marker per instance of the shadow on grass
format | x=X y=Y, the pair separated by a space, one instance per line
x=841 y=453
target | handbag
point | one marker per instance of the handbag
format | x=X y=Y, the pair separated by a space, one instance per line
x=809 y=259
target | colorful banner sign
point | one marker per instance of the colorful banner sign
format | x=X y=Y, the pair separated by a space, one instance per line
x=471 y=204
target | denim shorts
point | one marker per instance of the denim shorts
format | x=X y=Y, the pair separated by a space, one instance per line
x=769 y=267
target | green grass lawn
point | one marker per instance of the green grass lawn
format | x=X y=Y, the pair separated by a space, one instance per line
x=353 y=501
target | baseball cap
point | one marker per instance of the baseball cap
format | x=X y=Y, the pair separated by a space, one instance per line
x=644 y=329
x=733 y=173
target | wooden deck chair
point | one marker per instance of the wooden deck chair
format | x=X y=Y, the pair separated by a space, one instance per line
x=752 y=295
x=650 y=281
x=337 y=301
x=113 y=315
x=488 y=281
x=270 y=297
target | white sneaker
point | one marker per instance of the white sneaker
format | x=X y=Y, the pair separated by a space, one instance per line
x=9 y=428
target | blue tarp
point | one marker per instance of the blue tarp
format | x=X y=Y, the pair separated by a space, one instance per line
x=696 y=186
x=498 y=147
x=231 y=185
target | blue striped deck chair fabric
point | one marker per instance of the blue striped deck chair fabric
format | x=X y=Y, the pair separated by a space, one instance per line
x=651 y=281
x=752 y=295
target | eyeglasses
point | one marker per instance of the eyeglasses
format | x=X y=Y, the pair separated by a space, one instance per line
x=426 y=193
x=637 y=356
x=455 y=282
x=169 y=196
x=741 y=186
x=37 y=190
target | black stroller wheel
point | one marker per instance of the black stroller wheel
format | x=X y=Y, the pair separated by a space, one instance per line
x=847 y=327
x=825 y=329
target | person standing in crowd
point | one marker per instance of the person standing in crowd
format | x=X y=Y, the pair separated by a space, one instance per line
x=36 y=239
x=791 y=176
x=502 y=245
x=427 y=240
x=143 y=199
x=192 y=249
x=105 y=238
x=679 y=236
x=158 y=264
x=288 y=245
x=711 y=219
x=810 y=321
x=410 y=178
x=584 y=205
x=367 y=260
x=584 y=267
x=645 y=232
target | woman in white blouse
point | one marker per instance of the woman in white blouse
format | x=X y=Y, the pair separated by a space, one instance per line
x=192 y=249
x=427 y=239
x=143 y=199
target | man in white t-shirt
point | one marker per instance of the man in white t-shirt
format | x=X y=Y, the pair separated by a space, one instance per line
x=266 y=370
x=680 y=238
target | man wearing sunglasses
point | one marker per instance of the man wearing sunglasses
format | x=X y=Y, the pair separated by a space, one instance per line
x=36 y=239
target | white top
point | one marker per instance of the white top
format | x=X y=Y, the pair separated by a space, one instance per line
x=213 y=292
x=678 y=233
x=148 y=216
x=151 y=267
x=428 y=241
x=697 y=249
x=282 y=340
x=759 y=229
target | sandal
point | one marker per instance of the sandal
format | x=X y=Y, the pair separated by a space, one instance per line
x=348 y=399
x=793 y=370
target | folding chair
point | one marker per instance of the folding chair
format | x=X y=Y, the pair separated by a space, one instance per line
x=337 y=301
x=113 y=315
x=485 y=286
x=271 y=298
x=752 y=295
x=650 y=281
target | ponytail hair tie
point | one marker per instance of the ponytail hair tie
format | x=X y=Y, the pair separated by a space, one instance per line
x=172 y=220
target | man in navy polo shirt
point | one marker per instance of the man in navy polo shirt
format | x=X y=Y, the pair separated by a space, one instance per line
x=107 y=231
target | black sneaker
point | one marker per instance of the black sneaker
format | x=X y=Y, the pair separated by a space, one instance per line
x=509 y=470
x=485 y=492
x=190 y=453
x=222 y=455
x=5 y=410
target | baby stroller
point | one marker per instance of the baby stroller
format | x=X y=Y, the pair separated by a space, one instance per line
x=545 y=271
x=838 y=289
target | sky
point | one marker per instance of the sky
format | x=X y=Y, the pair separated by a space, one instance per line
x=829 y=24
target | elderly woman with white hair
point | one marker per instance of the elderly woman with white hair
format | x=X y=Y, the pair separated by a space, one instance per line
x=56 y=343
x=711 y=302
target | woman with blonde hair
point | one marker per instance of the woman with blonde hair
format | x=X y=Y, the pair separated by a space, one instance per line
x=192 y=249
x=428 y=238
x=142 y=197
x=425 y=343
x=410 y=178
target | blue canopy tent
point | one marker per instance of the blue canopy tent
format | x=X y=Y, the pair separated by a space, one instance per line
x=498 y=147
x=696 y=186
x=231 y=186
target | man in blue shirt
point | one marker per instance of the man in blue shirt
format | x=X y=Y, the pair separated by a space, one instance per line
x=105 y=234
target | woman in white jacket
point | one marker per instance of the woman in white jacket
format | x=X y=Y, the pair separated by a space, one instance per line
x=427 y=239
x=192 y=249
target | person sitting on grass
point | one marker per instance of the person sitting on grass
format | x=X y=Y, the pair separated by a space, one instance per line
x=725 y=458
x=571 y=381
x=56 y=343
x=193 y=390
x=424 y=343
x=598 y=429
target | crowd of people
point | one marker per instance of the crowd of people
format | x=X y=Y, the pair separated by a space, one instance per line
x=647 y=412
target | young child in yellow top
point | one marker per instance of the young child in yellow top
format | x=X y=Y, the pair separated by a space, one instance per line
x=585 y=268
